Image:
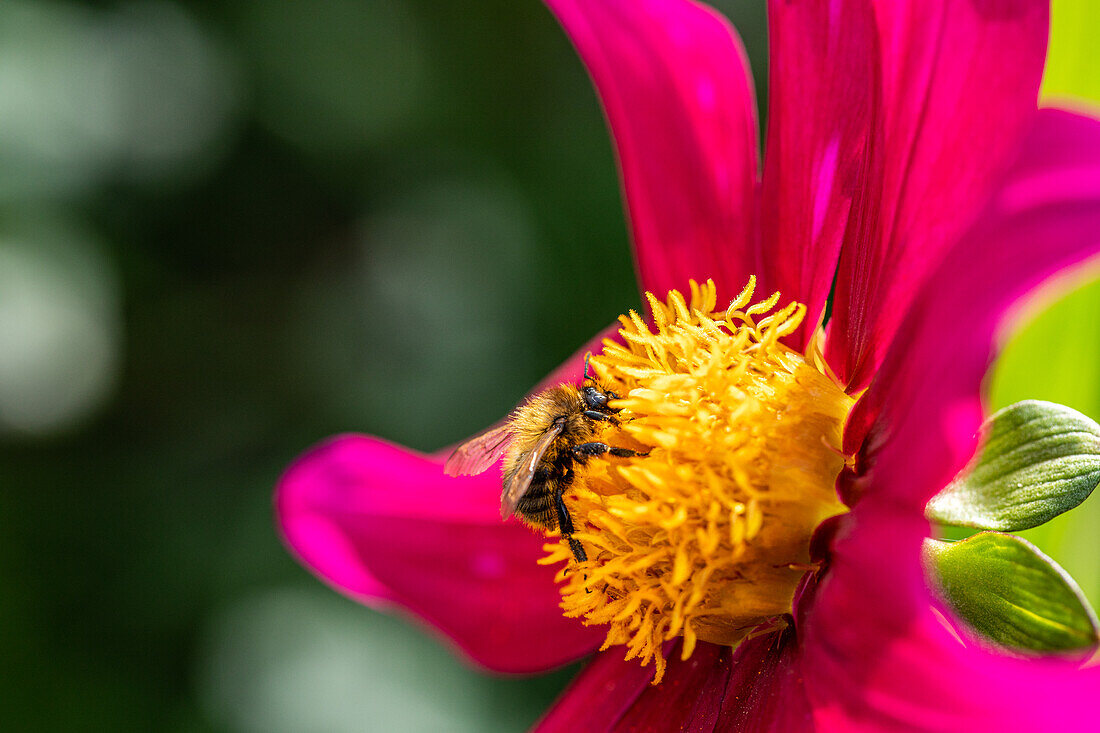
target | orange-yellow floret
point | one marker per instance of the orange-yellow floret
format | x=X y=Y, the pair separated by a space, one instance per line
x=706 y=537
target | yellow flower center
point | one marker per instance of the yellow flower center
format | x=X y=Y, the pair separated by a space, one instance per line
x=708 y=536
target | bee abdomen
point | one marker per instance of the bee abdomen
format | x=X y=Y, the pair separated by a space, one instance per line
x=537 y=505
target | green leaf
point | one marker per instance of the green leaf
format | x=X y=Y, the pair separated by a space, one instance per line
x=1073 y=67
x=1013 y=594
x=1056 y=357
x=1037 y=460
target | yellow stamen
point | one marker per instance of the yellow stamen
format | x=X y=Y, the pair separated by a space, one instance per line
x=706 y=537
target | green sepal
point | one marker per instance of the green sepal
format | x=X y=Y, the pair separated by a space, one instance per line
x=1037 y=460
x=1013 y=594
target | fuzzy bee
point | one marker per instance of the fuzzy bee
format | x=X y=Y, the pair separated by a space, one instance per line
x=541 y=443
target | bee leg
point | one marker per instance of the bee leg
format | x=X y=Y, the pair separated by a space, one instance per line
x=596 y=415
x=565 y=524
x=583 y=451
x=578 y=550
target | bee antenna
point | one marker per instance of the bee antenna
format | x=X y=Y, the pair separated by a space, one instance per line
x=586 y=358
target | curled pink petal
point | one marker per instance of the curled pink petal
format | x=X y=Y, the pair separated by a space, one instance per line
x=823 y=82
x=960 y=82
x=876 y=646
x=384 y=525
x=674 y=83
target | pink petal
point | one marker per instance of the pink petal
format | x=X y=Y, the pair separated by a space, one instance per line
x=926 y=398
x=689 y=696
x=877 y=655
x=385 y=526
x=611 y=694
x=756 y=687
x=960 y=82
x=675 y=87
x=766 y=692
x=599 y=696
x=824 y=77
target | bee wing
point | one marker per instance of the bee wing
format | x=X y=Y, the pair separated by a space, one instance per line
x=520 y=480
x=479 y=452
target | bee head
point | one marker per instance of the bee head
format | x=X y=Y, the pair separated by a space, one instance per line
x=594 y=398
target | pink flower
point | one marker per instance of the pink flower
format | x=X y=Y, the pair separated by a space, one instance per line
x=905 y=155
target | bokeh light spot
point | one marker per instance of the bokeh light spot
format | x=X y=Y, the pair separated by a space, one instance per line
x=60 y=330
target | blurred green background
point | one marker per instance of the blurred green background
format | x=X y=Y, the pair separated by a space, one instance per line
x=228 y=230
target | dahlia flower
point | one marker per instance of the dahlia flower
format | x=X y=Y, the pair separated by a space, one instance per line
x=767 y=554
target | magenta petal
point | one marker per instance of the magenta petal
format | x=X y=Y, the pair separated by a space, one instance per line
x=675 y=87
x=824 y=75
x=766 y=693
x=611 y=694
x=926 y=398
x=689 y=696
x=385 y=526
x=877 y=654
x=960 y=82
x=756 y=687
x=599 y=696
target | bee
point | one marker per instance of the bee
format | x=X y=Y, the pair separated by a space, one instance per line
x=542 y=442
